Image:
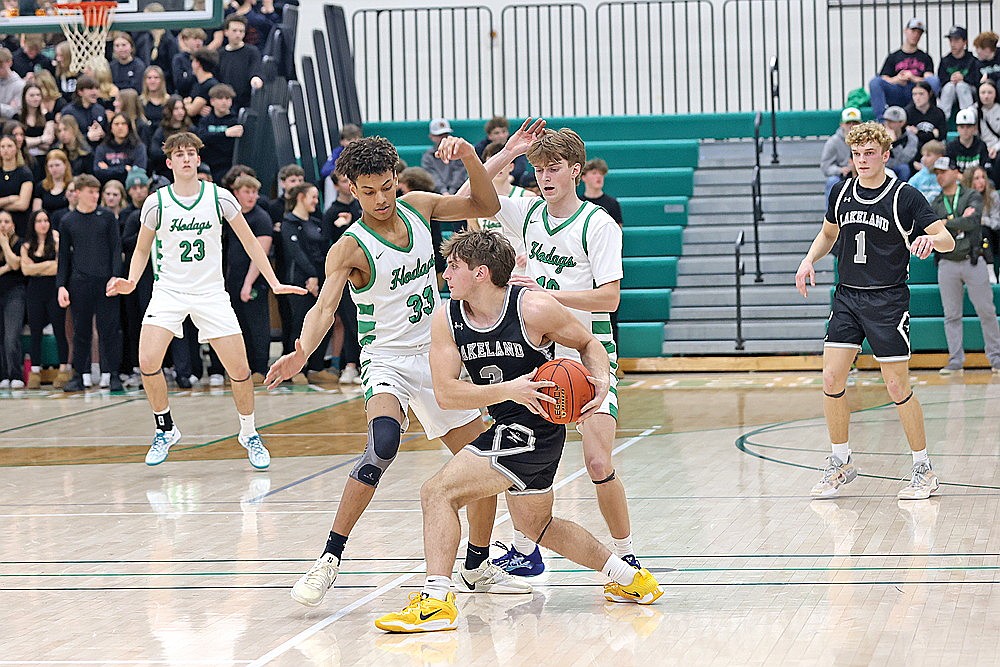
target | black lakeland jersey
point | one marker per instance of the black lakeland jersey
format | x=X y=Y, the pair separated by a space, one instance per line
x=877 y=227
x=501 y=352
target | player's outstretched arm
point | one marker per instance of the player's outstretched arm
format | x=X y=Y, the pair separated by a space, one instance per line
x=516 y=146
x=479 y=201
x=819 y=249
x=140 y=257
x=455 y=394
x=340 y=260
x=550 y=320
x=259 y=257
x=937 y=238
x=602 y=299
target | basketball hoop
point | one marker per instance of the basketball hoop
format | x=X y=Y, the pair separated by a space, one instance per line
x=86 y=26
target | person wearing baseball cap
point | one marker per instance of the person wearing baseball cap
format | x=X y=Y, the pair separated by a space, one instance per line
x=962 y=209
x=901 y=70
x=968 y=150
x=903 y=151
x=958 y=72
x=448 y=177
x=835 y=160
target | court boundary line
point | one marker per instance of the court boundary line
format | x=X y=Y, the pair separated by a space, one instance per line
x=291 y=643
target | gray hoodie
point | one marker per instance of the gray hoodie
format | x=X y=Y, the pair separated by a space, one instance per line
x=10 y=95
x=989 y=126
x=836 y=154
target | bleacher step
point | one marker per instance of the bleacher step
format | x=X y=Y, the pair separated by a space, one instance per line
x=735 y=204
x=727 y=346
x=801 y=308
x=705 y=234
x=783 y=264
x=770 y=294
x=729 y=280
x=804 y=328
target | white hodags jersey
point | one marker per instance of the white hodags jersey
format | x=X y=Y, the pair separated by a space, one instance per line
x=581 y=252
x=491 y=225
x=394 y=308
x=187 y=250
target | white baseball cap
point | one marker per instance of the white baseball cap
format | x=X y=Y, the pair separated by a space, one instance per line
x=966 y=117
x=440 y=126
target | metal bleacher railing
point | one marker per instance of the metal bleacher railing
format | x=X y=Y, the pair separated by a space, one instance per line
x=627 y=58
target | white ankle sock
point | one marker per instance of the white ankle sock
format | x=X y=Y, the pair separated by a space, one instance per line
x=87 y=379
x=36 y=369
x=247 y=425
x=920 y=457
x=105 y=378
x=618 y=570
x=523 y=544
x=437 y=587
x=623 y=547
x=842 y=452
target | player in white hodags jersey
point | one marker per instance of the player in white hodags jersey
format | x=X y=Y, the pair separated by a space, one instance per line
x=181 y=227
x=387 y=258
x=574 y=252
x=502 y=184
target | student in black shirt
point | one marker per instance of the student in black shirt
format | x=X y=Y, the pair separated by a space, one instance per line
x=29 y=58
x=593 y=175
x=986 y=52
x=239 y=63
x=74 y=145
x=39 y=256
x=50 y=192
x=126 y=69
x=158 y=47
x=12 y=305
x=248 y=291
x=958 y=73
x=879 y=222
x=968 y=150
x=154 y=94
x=16 y=184
x=120 y=151
x=289 y=176
x=218 y=131
x=204 y=63
x=90 y=116
x=90 y=254
x=343 y=212
x=189 y=41
x=923 y=117
x=901 y=70
x=304 y=246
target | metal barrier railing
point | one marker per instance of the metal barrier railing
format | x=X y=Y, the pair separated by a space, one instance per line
x=773 y=75
x=632 y=57
x=739 y=291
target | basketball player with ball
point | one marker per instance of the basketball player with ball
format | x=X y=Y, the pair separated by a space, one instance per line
x=502 y=333
x=574 y=253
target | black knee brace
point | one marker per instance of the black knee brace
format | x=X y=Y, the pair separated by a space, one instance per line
x=837 y=395
x=149 y=375
x=382 y=447
x=605 y=480
x=905 y=399
x=232 y=379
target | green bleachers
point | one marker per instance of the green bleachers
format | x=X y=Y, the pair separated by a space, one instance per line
x=923 y=271
x=649 y=272
x=927 y=335
x=645 y=305
x=653 y=181
x=925 y=301
x=646 y=211
x=656 y=241
x=637 y=154
x=640 y=339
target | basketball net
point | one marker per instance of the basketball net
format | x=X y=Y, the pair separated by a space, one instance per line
x=86 y=26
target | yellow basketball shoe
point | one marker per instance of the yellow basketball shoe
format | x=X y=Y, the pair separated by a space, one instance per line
x=423 y=614
x=644 y=589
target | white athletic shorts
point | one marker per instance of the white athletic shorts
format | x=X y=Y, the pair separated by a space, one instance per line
x=408 y=378
x=212 y=313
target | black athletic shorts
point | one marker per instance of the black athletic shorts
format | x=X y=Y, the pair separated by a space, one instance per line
x=880 y=315
x=525 y=451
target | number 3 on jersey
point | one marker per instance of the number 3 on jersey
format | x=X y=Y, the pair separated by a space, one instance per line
x=417 y=304
x=859 y=256
x=199 y=250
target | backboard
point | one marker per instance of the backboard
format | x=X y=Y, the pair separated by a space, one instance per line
x=19 y=16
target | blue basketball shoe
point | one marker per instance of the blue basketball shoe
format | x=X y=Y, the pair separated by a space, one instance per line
x=520 y=565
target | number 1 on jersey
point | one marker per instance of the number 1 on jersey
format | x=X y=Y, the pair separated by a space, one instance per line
x=859 y=256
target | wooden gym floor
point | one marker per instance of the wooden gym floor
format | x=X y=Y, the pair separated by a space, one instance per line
x=104 y=561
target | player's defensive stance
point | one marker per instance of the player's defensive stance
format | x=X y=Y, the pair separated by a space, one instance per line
x=882 y=221
x=502 y=333
x=184 y=221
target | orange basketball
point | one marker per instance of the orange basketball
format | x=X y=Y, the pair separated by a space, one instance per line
x=572 y=391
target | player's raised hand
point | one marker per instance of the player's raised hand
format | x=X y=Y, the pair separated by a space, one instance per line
x=286 y=367
x=525 y=390
x=454 y=148
x=806 y=271
x=600 y=393
x=118 y=286
x=288 y=289
x=529 y=132
x=922 y=246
